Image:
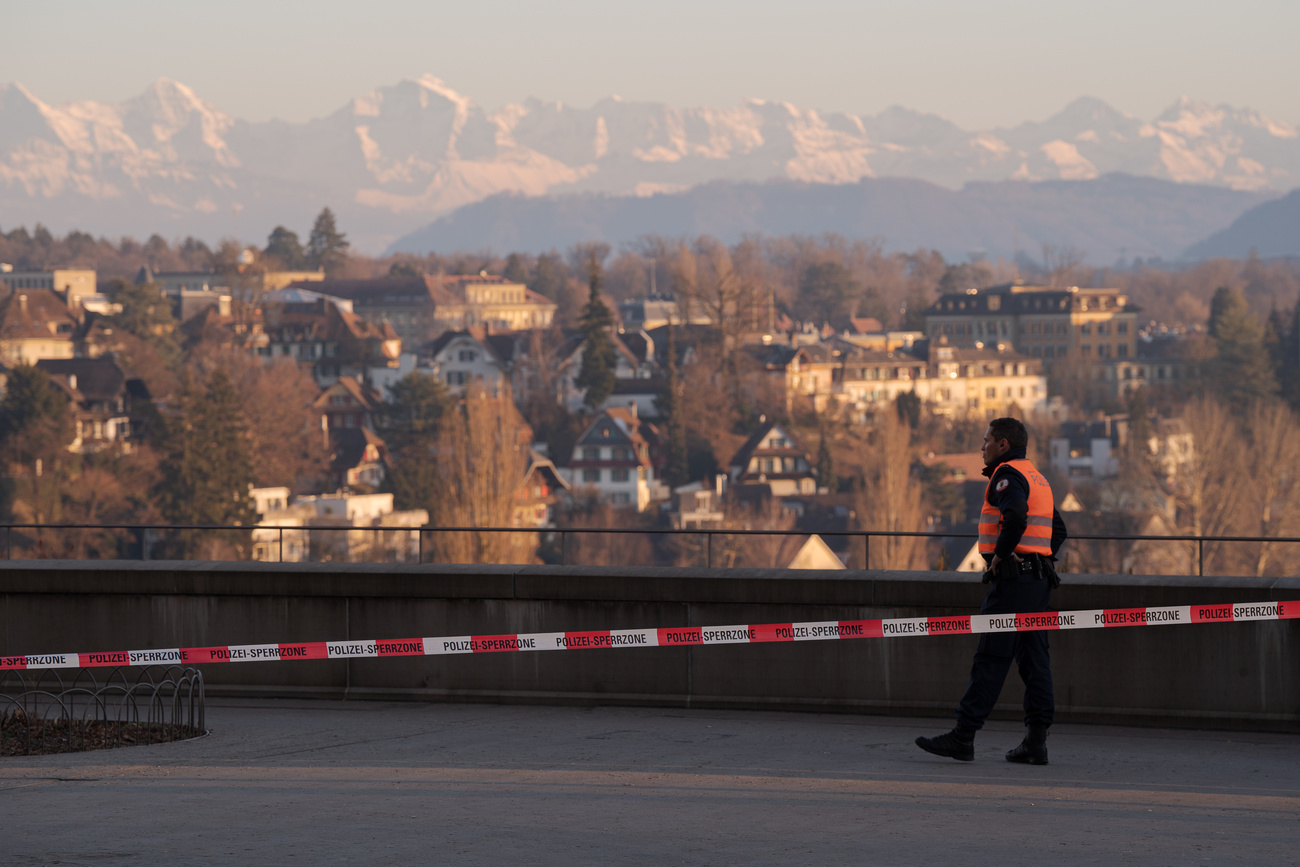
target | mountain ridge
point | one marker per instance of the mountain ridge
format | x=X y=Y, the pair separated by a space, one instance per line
x=401 y=155
x=1114 y=217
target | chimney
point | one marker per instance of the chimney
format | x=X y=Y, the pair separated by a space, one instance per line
x=22 y=303
x=631 y=407
x=72 y=381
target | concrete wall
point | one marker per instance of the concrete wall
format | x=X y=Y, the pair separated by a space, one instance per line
x=1243 y=675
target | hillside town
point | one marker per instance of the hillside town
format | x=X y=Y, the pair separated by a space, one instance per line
x=335 y=415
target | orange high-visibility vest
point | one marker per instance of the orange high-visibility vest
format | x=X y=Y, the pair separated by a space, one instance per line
x=1038 y=526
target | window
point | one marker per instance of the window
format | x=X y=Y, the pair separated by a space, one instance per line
x=1085 y=350
x=1103 y=329
x=619 y=453
x=619 y=474
x=1122 y=350
x=990 y=392
x=455 y=377
x=592 y=476
x=591 y=453
x=468 y=355
x=1086 y=329
x=1121 y=328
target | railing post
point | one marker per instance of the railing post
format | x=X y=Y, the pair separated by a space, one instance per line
x=420 y=545
x=564 y=548
x=9 y=541
x=282 y=544
x=866 y=551
x=1200 y=557
x=708 y=550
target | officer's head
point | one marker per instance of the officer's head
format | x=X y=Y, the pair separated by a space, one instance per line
x=1004 y=435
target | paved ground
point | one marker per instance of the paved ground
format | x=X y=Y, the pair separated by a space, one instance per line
x=369 y=783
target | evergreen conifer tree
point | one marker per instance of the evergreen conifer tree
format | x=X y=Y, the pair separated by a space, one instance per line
x=669 y=404
x=418 y=406
x=598 y=359
x=207 y=470
x=515 y=271
x=825 y=464
x=1241 y=371
x=327 y=247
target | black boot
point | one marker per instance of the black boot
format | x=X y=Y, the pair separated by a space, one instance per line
x=957 y=744
x=1033 y=749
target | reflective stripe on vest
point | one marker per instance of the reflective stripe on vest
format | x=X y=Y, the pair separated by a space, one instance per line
x=1038 y=525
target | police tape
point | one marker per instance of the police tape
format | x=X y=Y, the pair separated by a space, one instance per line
x=687 y=636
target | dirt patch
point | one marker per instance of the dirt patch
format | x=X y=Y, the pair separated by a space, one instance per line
x=24 y=735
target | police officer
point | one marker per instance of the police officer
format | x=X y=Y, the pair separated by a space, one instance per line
x=1020 y=532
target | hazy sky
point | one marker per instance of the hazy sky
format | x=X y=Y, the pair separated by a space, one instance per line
x=980 y=64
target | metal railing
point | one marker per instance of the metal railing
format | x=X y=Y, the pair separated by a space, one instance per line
x=409 y=543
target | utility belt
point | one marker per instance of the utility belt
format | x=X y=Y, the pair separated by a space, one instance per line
x=1019 y=564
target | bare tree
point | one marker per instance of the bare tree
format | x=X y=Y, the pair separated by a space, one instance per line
x=890 y=499
x=1208 y=479
x=1272 y=494
x=1064 y=265
x=482 y=455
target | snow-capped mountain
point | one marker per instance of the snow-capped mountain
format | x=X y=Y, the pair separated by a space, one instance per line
x=402 y=155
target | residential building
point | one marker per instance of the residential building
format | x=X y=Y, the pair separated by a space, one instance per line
x=646 y=314
x=772 y=456
x=323 y=333
x=986 y=382
x=618 y=455
x=72 y=285
x=363 y=527
x=539 y=493
x=281 y=535
x=805 y=371
x=1088 y=450
x=106 y=401
x=35 y=324
x=493 y=302
x=421 y=308
x=698 y=505
x=358 y=456
x=634 y=368
x=1071 y=325
x=473 y=355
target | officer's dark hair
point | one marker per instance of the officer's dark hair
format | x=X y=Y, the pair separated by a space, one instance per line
x=1010 y=429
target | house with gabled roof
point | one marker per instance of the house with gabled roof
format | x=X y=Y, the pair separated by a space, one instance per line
x=618 y=456
x=634 y=365
x=774 y=457
x=540 y=491
x=108 y=403
x=34 y=324
x=473 y=355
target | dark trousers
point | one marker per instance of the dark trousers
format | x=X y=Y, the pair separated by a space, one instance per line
x=1017 y=590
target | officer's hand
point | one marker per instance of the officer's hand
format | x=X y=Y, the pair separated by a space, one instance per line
x=994 y=563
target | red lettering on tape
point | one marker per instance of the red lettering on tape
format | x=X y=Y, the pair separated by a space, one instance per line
x=395 y=647
x=1122 y=617
x=1038 y=622
x=494 y=643
x=948 y=625
x=308 y=650
x=98 y=660
x=680 y=637
x=1211 y=613
x=586 y=640
x=10 y=663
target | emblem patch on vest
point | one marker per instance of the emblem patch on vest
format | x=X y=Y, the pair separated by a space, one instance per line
x=1001 y=485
